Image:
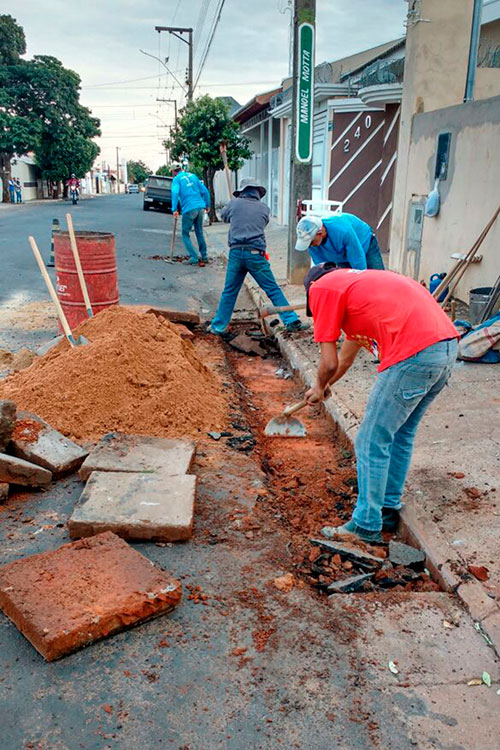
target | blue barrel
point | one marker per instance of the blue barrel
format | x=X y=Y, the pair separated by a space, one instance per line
x=435 y=281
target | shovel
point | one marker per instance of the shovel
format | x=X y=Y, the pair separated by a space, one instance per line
x=172 y=242
x=285 y=425
x=76 y=256
x=80 y=340
x=265 y=311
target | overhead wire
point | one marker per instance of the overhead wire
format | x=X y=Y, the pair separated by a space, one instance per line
x=209 y=41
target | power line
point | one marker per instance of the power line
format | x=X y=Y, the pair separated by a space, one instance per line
x=117 y=83
x=209 y=42
x=203 y=86
x=200 y=23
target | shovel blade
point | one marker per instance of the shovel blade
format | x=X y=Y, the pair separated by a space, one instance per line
x=285 y=427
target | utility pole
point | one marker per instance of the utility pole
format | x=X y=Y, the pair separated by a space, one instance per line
x=174 y=102
x=304 y=15
x=176 y=31
x=117 y=169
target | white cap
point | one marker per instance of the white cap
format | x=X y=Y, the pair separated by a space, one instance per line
x=307 y=229
x=176 y=165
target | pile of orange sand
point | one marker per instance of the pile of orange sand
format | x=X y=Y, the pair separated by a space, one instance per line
x=136 y=375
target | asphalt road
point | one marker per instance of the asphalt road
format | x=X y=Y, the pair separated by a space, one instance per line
x=138 y=235
x=323 y=680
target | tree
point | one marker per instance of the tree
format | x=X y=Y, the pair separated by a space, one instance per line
x=63 y=151
x=203 y=125
x=164 y=170
x=40 y=111
x=12 y=41
x=137 y=171
x=18 y=134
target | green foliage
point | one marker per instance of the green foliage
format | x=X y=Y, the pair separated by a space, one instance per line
x=203 y=125
x=40 y=111
x=164 y=170
x=63 y=151
x=12 y=40
x=137 y=171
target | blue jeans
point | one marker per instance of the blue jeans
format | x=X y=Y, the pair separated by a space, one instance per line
x=384 y=444
x=242 y=261
x=190 y=219
x=373 y=256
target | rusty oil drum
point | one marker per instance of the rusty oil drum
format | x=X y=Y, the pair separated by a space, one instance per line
x=98 y=258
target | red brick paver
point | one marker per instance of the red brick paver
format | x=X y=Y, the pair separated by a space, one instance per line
x=70 y=597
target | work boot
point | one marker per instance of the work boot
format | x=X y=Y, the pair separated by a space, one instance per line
x=351 y=527
x=390 y=519
x=297 y=325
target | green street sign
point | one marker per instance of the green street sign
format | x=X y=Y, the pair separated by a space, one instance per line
x=305 y=93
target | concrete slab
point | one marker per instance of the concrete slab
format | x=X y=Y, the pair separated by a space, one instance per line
x=409 y=630
x=136 y=506
x=117 y=451
x=455 y=717
x=7 y=422
x=187 y=318
x=16 y=470
x=68 y=598
x=36 y=441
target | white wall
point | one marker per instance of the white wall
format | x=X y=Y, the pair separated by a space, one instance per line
x=469 y=195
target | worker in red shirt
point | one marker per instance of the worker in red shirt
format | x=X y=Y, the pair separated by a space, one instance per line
x=417 y=346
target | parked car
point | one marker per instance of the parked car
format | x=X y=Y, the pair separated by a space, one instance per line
x=132 y=188
x=158 y=192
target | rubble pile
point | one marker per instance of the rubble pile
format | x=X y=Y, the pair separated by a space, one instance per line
x=137 y=374
x=335 y=568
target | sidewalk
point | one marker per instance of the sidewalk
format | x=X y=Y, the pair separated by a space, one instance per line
x=452 y=499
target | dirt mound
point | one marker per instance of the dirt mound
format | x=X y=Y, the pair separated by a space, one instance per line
x=136 y=375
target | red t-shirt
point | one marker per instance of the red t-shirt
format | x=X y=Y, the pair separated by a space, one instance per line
x=396 y=312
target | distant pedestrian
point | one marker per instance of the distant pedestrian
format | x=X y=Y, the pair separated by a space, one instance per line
x=12 y=191
x=19 y=191
x=192 y=197
x=248 y=218
x=343 y=239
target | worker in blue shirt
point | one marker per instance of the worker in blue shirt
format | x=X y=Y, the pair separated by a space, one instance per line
x=343 y=239
x=192 y=197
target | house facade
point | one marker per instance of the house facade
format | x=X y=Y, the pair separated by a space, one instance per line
x=450 y=132
x=357 y=118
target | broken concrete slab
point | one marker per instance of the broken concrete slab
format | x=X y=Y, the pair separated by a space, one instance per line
x=117 y=451
x=4 y=491
x=68 y=598
x=16 y=470
x=244 y=343
x=350 y=553
x=7 y=422
x=349 y=585
x=403 y=554
x=155 y=506
x=187 y=318
x=36 y=441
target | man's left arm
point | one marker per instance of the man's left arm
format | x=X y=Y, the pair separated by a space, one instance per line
x=205 y=194
x=175 y=196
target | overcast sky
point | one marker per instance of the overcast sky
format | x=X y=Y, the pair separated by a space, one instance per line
x=101 y=39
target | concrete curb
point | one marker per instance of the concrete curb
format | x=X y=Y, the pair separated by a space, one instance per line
x=442 y=559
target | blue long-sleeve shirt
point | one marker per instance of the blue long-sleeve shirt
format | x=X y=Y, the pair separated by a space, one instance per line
x=347 y=241
x=189 y=193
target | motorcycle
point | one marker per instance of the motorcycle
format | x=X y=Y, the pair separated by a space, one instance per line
x=75 y=194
